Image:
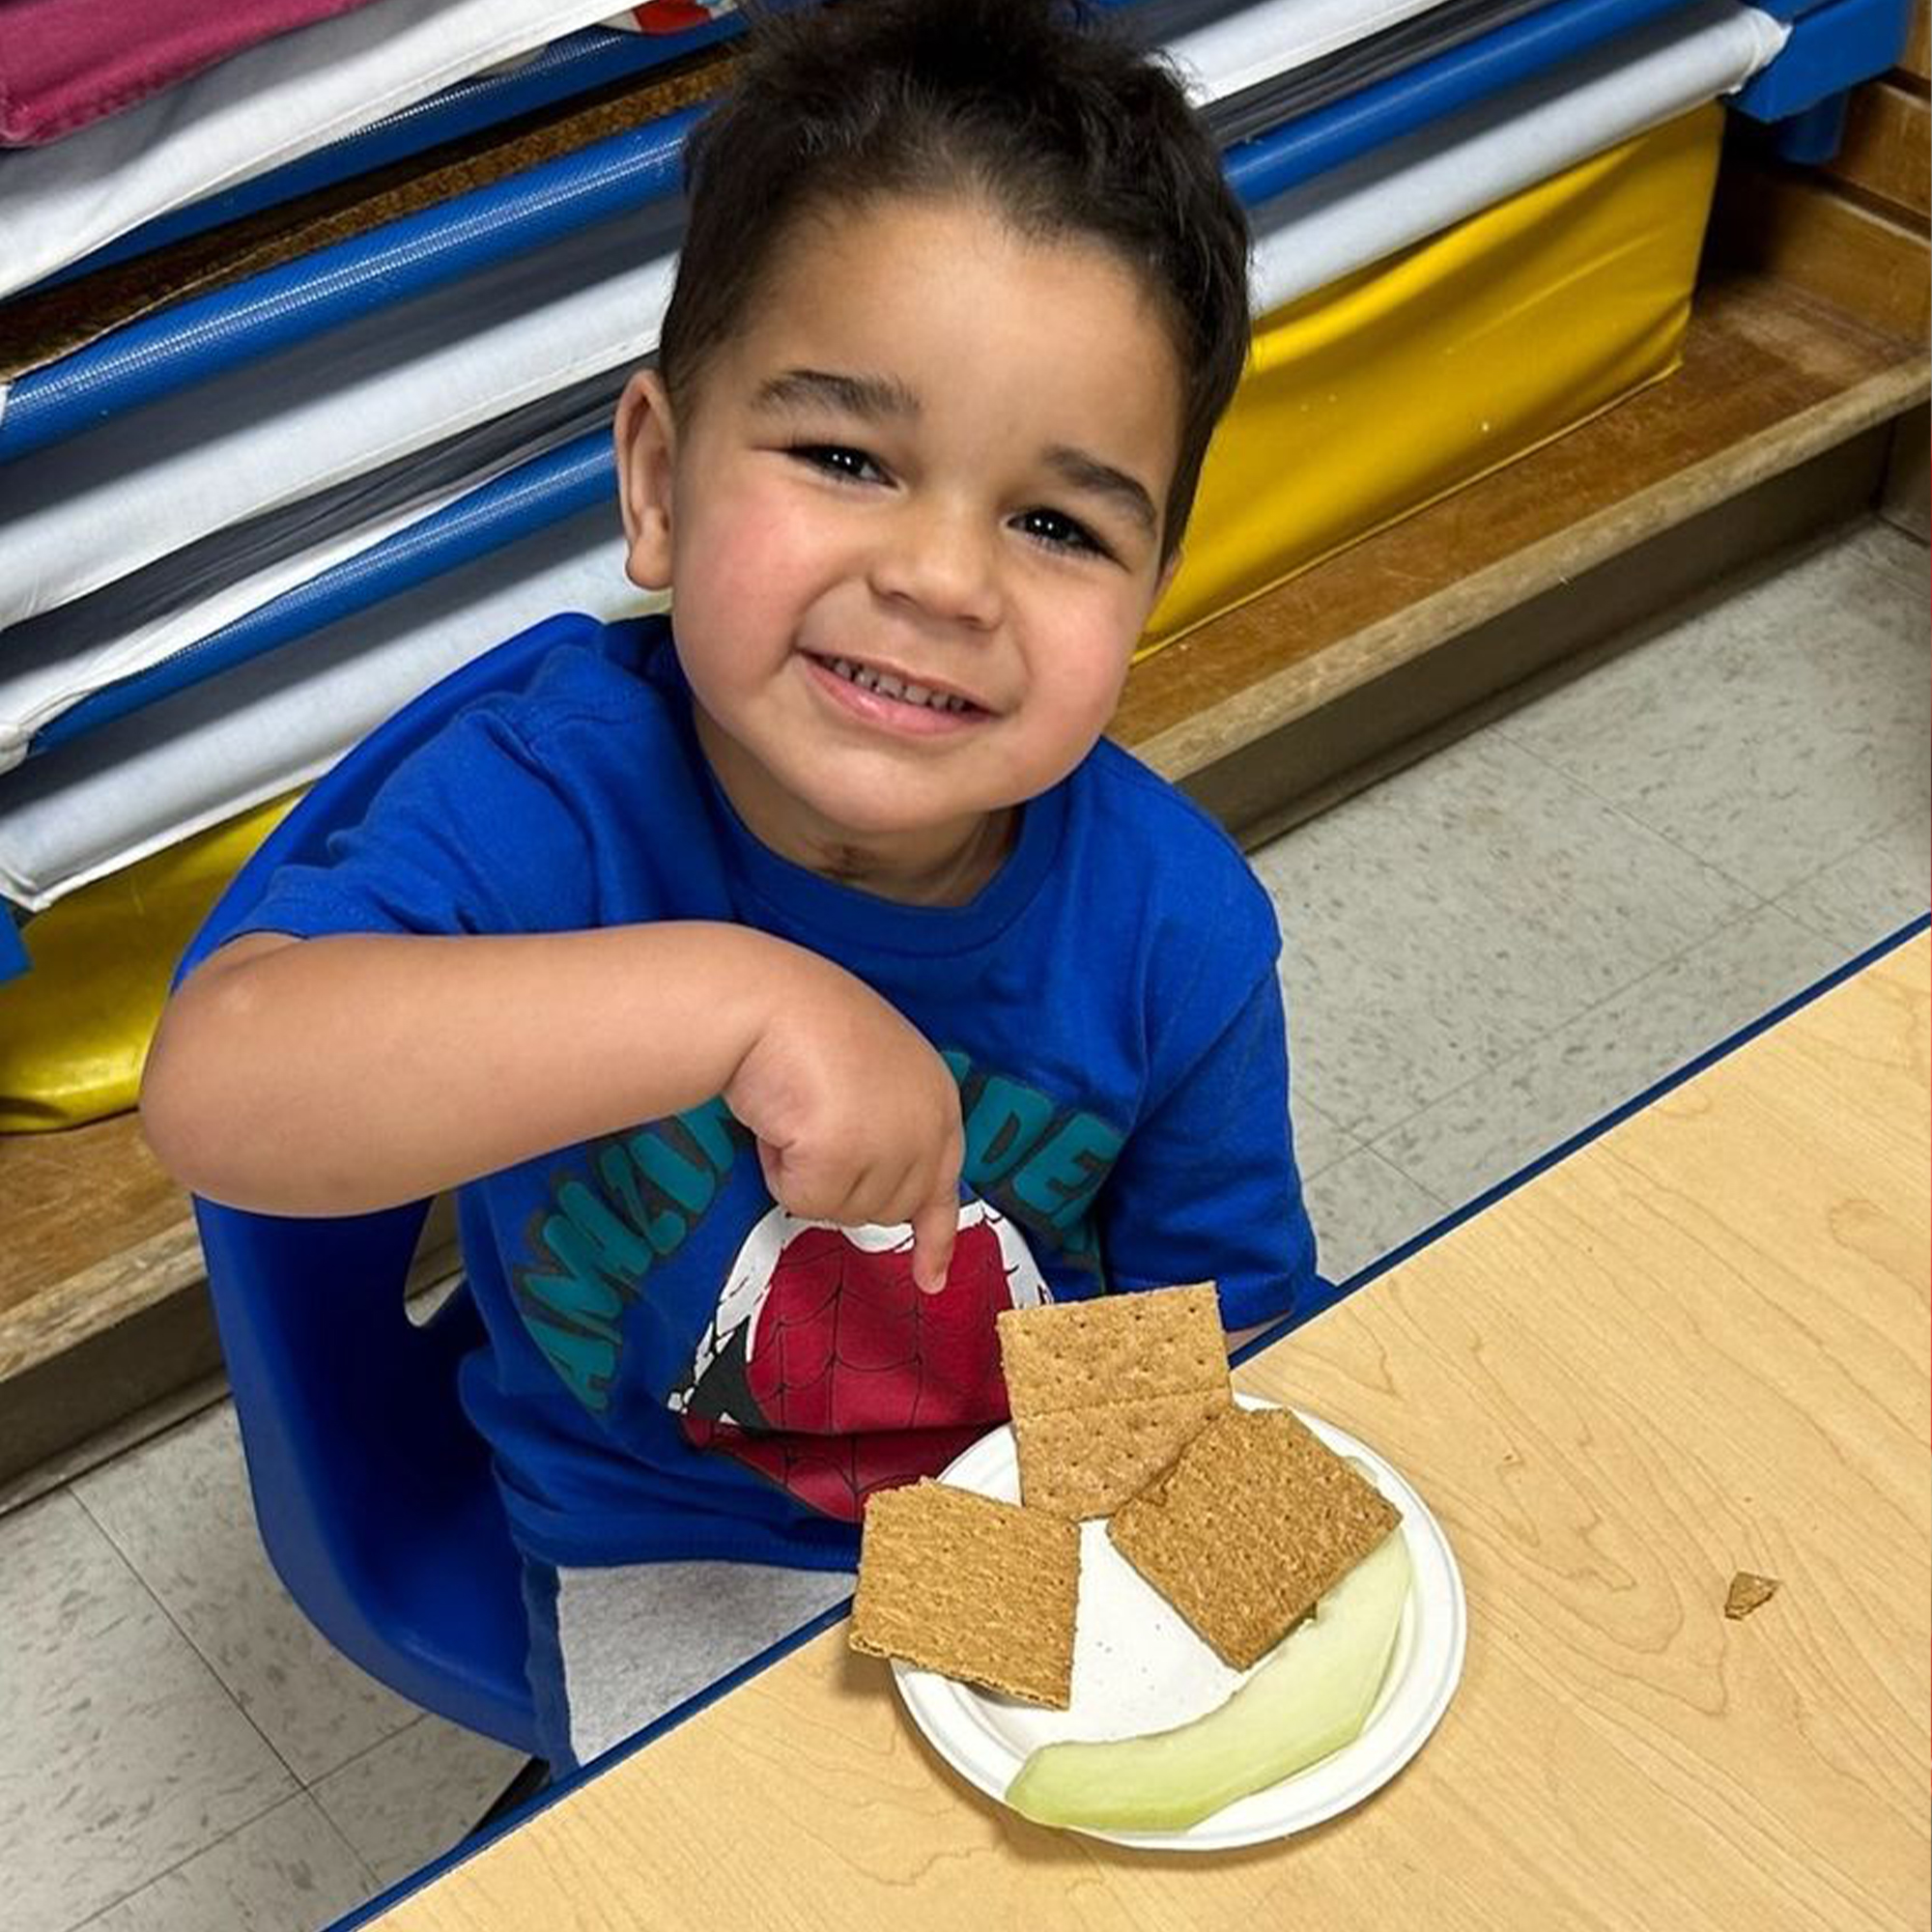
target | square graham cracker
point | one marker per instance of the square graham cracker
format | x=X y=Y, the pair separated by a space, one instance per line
x=1249 y=1528
x=971 y=1587
x=1106 y=1393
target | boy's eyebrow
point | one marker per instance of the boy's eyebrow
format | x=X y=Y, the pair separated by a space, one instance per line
x=870 y=396
x=1088 y=473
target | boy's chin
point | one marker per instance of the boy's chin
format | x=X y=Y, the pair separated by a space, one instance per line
x=890 y=821
x=890 y=817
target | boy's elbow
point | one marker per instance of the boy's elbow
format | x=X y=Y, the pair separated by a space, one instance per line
x=174 y=1117
x=193 y=1118
x=195 y=1115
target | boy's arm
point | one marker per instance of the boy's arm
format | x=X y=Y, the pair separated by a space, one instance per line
x=340 y=1074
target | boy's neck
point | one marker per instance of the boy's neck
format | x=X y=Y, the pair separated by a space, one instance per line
x=950 y=880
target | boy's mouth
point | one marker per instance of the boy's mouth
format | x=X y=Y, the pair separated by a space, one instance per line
x=901 y=689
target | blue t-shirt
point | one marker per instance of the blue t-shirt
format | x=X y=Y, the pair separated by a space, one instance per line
x=676 y=1368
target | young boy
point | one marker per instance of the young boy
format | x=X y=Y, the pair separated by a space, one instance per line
x=792 y=986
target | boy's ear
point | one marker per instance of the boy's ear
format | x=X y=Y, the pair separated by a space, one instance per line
x=646 y=437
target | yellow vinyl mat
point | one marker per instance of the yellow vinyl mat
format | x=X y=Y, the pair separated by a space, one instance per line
x=1369 y=399
x=74 y=1031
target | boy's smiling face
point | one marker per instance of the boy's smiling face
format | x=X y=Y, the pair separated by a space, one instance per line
x=930 y=465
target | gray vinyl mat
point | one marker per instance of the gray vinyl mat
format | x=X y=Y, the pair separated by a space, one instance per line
x=1257 y=111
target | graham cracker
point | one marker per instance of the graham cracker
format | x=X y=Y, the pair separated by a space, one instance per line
x=1106 y=1393
x=1249 y=1528
x=1079 y=1463
x=972 y=1587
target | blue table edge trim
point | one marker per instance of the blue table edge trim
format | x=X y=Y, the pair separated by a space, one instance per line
x=460 y=1853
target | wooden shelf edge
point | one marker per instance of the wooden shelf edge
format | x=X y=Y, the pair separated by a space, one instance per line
x=125 y=1345
x=134 y=1280
x=99 y=1296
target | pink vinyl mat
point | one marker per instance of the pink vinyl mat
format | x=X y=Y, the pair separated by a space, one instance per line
x=67 y=63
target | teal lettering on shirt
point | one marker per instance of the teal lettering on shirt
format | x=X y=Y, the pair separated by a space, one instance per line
x=1001 y=1123
x=619 y=1166
x=687 y=1183
x=1063 y=1174
x=586 y=1363
x=716 y=1133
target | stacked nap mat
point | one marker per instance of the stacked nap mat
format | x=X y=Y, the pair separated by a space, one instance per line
x=64 y=64
x=349 y=439
x=108 y=264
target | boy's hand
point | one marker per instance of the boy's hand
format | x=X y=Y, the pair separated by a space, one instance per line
x=857 y=1118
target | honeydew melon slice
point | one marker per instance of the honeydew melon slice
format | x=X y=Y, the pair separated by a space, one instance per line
x=1309 y=1698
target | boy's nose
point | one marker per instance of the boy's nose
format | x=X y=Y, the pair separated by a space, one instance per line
x=943 y=563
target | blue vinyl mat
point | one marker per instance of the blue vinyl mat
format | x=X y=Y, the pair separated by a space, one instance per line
x=1383 y=112
x=207 y=334
x=525 y=499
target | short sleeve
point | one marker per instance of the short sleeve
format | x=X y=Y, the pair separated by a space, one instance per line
x=1206 y=1186
x=470 y=834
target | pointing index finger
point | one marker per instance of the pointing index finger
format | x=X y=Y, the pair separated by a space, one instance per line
x=933 y=1229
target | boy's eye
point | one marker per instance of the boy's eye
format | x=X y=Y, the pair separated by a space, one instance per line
x=839 y=461
x=1059 y=531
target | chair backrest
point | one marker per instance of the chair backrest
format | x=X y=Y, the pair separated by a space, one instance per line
x=373 y=1493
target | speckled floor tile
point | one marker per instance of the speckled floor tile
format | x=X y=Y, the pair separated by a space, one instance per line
x=123 y=1754
x=1319 y=1141
x=1773 y=732
x=1872 y=891
x=1362 y=1208
x=416 y=1795
x=288 y=1871
x=1490 y=1129
x=1438 y=923
x=177 y=1509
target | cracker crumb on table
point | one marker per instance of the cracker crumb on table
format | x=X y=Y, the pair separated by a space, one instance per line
x=1748 y=1592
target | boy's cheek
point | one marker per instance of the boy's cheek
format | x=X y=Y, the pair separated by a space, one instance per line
x=751 y=549
x=733 y=611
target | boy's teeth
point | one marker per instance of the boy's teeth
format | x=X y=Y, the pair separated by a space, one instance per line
x=888 y=685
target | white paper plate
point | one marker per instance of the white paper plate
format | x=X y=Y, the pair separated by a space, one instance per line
x=1138 y=1668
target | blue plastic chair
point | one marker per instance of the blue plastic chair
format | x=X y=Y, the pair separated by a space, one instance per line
x=374 y=1495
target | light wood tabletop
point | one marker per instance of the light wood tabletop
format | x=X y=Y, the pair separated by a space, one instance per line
x=1696 y=1346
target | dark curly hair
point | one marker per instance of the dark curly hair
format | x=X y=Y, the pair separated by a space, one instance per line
x=1064 y=127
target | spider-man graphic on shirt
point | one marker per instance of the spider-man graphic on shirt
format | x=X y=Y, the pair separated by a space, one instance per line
x=826 y=1370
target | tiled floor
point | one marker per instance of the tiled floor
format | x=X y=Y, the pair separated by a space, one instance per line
x=1485 y=953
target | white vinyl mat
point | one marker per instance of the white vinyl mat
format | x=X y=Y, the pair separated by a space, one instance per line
x=272 y=103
